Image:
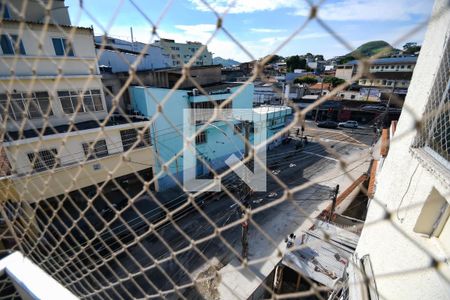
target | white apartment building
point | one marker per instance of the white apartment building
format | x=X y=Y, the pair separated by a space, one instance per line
x=56 y=134
x=180 y=54
x=404 y=248
x=120 y=54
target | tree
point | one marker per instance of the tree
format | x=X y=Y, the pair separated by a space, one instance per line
x=275 y=58
x=306 y=80
x=309 y=55
x=411 y=48
x=319 y=57
x=295 y=62
x=333 y=80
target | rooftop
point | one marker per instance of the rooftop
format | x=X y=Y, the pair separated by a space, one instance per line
x=389 y=60
x=324 y=261
x=218 y=87
x=266 y=109
x=320 y=86
x=18 y=22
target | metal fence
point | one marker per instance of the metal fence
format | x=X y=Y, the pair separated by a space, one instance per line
x=120 y=235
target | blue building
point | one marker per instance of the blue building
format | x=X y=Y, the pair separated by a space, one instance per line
x=217 y=140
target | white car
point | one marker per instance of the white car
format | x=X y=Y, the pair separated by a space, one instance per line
x=349 y=124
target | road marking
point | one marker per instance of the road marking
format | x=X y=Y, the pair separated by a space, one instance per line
x=314 y=139
x=322 y=156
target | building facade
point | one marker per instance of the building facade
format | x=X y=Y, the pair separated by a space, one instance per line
x=57 y=137
x=217 y=140
x=180 y=54
x=404 y=248
x=120 y=54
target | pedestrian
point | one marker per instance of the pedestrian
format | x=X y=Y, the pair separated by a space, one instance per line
x=297 y=132
x=290 y=240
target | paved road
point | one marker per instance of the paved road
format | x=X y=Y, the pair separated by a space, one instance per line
x=107 y=263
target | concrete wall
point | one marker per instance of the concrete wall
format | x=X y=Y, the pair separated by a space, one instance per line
x=345 y=73
x=407 y=179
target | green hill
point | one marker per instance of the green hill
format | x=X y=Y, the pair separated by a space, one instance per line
x=368 y=49
x=225 y=62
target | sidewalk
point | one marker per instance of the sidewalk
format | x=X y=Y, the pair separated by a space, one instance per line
x=237 y=282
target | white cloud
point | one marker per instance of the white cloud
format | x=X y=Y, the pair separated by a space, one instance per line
x=266 y=30
x=370 y=10
x=338 y=10
x=197 y=28
x=248 y=6
x=312 y=35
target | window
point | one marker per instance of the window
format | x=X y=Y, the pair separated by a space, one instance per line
x=200 y=138
x=433 y=216
x=4 y=11
x=62 y=47
x=434 y=135
x=25 y=105
x=11 y=44
x=211 y=104
x=44 y=159
x=131 y=136
x=71 y=101
x=95 y=150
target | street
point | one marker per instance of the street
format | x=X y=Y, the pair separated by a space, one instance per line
x=184 y=245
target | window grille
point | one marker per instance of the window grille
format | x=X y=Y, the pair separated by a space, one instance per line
x=131 y=136
x=70 y=101
x=43 y=160
x=25 y=105
x=95 y=149
x=434 y=135
x=200 y=138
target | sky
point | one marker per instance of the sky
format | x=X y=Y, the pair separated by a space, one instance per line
x=260 y=27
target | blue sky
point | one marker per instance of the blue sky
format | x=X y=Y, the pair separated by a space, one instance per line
x=261 y=26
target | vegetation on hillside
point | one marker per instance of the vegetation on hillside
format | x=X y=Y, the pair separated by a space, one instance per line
x=306 y=80
x=367 y=50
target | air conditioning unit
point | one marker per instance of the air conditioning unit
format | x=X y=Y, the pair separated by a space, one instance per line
x=195 y=92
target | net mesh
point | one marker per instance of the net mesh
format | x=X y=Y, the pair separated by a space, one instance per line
x=82 y=196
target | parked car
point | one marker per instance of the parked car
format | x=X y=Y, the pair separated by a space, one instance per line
x=348 y=124
x=327 y=124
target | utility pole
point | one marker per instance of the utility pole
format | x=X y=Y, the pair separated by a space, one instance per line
x=333 y=205
x=246 y=193
x=320 y=95
x=386 y=113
